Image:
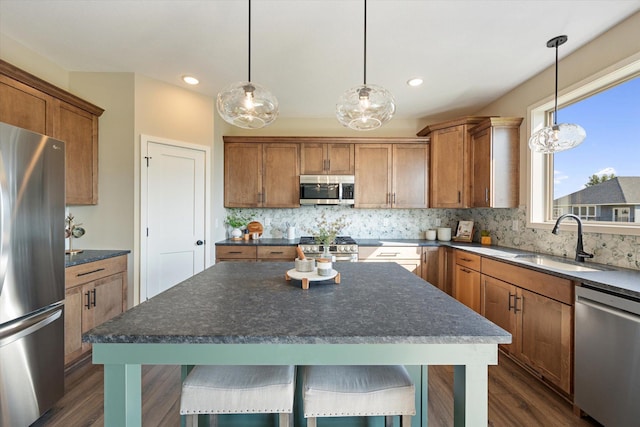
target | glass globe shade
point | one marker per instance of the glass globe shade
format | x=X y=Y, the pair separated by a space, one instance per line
x=552 y=139
x=247 y=105
x=365 y=107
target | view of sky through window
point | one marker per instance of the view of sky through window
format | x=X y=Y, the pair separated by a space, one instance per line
x=612 y=121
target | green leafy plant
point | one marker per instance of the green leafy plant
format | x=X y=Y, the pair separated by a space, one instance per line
x=238 y=219
x=327 y=231
x=485 y=233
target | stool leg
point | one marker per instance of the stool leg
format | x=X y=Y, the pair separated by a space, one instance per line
x=405 y=420
x=285 y=420
x=191 y=420
x=311 y=422
x=213 y=420
x=388 y=421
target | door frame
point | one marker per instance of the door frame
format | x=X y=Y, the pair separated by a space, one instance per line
x=144 y=141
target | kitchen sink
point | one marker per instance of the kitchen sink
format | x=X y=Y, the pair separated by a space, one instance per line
x=552 y=263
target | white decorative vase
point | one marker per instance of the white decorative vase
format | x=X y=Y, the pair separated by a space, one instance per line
x=236 y=233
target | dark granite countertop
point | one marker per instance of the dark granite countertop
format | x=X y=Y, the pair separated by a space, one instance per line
x=618 y=280
x=240 y=303
x=91 y=255
x=621 y=281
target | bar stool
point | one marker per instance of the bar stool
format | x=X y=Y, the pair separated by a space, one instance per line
x=337 y=391
x=238 y=390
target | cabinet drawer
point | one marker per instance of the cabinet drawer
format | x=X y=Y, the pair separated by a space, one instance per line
x=83 y=273
x=236 y=252
x=277 y=252
x=467 y=259
x=390 y=253
x=548 y=285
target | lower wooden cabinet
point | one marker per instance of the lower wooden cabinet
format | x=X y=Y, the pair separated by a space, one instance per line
x=95 y=292
x=255 y=253
x=536 y=308
x=431 y=265
x=276 y=253
x=466 y=280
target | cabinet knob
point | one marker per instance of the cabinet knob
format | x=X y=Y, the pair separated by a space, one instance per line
x=199 y=243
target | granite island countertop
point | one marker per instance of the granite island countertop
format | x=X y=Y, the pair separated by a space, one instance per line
x=242 y=303
x=91 y=255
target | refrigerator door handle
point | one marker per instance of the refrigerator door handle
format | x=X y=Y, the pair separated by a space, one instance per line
x=29 y=325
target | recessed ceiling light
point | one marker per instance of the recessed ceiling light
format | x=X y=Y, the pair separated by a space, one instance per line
x=416 y=81
x=190 y=80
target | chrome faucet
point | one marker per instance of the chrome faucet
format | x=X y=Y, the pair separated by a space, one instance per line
x=580 y=253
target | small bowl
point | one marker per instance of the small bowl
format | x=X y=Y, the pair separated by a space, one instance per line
x=305 y=265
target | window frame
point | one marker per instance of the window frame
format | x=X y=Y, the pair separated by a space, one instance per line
x=540 y=166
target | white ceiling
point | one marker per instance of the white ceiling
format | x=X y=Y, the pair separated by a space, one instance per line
x=307 y=52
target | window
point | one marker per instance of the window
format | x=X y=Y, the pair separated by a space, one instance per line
x=600 y=179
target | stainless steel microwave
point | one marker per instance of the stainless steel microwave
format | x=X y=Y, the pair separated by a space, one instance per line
x=327 y=189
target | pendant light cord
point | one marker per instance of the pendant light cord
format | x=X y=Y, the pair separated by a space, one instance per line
x=249 y=50
x=555 y=108
x=365 y=42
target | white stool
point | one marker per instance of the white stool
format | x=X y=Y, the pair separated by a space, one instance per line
x=337 y=391
x=238 y=390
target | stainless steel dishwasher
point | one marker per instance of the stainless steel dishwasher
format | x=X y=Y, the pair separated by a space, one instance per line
x=607 y=357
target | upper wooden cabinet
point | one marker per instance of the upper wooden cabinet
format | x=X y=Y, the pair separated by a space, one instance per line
x=450 y=167
x=260 y=174
x=326 y=159
x=392 y=175
x=495 y=148
x=31 y=103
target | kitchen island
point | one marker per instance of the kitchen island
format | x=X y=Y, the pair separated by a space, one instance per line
x=247 y=313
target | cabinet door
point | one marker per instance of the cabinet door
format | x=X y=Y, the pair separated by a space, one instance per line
x=313 y=159
x=242 y=175
x=410 y=176
x=448 y=163
x=79 y=130
x=105 y=297
x=73 y=307
x=545 y=327
x=430 y=266
x=481 y=146
x=499 y=307
x=281 y=176
x=373 y=175
x=25 y=107
x=340 y=159
x=466 y=287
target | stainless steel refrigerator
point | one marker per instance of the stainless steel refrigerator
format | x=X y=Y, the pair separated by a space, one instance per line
x=31 y=275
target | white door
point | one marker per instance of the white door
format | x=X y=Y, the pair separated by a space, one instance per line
x=173 y=211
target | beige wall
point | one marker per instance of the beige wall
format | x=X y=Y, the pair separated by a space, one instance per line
x=109 y=224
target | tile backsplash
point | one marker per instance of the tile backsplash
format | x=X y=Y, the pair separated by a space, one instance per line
x=612 y=249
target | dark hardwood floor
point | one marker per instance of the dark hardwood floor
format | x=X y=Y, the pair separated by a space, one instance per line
x=515 y=399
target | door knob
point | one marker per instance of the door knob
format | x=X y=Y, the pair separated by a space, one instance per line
x=199 y=243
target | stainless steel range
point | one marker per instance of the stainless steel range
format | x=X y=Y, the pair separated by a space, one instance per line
x=344 y=248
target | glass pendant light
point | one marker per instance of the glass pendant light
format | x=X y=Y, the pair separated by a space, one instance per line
x=368 y=106
x=246 y=104
x=559 y=137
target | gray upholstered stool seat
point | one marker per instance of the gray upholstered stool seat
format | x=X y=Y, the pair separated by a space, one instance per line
x=238 y=390
x=341 y=391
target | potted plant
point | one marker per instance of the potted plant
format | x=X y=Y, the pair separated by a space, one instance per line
x=485 y=237
x=328 y=230
x=237 y=220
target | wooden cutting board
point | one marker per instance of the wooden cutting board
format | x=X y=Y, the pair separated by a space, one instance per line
x=255 y=227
